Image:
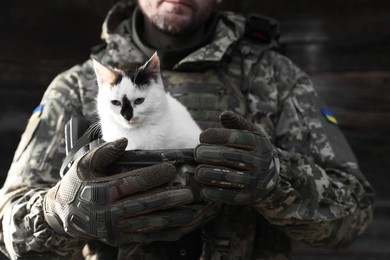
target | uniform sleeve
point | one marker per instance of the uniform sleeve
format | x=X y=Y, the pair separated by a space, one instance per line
x=34 y=170
x=322 y=197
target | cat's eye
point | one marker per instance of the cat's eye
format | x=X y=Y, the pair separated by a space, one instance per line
x=116 y=102
x=139 y=101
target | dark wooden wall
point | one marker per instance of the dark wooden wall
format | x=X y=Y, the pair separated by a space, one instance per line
x=343 y=45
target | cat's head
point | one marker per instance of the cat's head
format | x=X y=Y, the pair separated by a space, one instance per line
x=130 y=98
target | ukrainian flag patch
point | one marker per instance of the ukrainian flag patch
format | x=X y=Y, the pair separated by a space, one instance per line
x=37 y=112
x=329 y=116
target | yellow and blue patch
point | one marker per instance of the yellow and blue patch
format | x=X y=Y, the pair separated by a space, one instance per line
x=329 y=115
x=37 y=112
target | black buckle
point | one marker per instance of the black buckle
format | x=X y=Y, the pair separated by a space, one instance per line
x=262 y=27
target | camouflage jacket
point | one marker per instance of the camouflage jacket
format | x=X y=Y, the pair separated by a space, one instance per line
x=322 y=198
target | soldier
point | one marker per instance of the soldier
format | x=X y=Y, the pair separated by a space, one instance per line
x=284 y=172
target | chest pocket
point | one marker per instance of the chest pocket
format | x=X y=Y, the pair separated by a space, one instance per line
x=205 y=94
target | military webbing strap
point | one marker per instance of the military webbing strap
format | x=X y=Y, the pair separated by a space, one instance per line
x=79 y=138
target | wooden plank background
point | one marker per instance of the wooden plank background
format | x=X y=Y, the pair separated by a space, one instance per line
x=343 y=45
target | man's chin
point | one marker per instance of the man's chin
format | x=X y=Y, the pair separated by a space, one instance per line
x=174 y=24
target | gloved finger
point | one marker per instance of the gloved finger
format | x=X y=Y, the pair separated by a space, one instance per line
x=232 y=120
x=102 y=156
x=241 y=139
x=156 y=221
x=127 y=183
x=227 y=196
x=225 y=156
x=223 y=177
x=201 y=214
x=152 y=201
x=172 y=234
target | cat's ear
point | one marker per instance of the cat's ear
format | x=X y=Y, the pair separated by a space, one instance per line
x=105 y=74
x=150 y=70
x=153 y=63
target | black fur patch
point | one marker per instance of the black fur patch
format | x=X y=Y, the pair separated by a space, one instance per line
x=144 y=76
x=127 y=109
x=117 y=80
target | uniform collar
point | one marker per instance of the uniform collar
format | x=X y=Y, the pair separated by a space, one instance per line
x=230 y=28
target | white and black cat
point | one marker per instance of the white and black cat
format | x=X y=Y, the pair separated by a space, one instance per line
x=138 y=108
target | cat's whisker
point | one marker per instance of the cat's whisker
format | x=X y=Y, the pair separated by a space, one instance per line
x=94 y=129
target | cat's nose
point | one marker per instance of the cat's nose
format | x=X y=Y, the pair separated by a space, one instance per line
x=128 y=116
x=127 y=111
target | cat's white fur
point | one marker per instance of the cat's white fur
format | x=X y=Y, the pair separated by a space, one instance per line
x=160 y=122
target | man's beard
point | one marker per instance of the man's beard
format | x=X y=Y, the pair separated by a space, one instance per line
x=167 y=26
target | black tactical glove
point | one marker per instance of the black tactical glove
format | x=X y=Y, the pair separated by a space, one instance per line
x=88 y=203
x=239 y=164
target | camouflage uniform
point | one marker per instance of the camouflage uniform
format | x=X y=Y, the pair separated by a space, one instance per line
x=322 y=198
